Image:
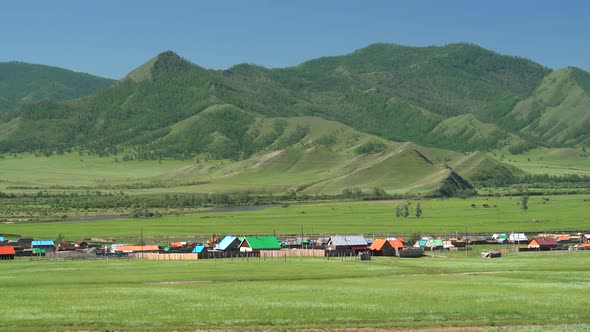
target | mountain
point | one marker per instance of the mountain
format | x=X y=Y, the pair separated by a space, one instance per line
x=24 y=83
x=558 y=112
x=454 y=96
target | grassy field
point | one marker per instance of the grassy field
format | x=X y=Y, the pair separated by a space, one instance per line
x=553 y=161
x=524 y=292
x=375 y=217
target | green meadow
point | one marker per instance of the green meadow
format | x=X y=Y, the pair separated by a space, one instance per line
x=552 y=161
x=526 y=292
x=545 y=213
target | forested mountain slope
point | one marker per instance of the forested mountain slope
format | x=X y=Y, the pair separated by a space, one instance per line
x=458 y=96
x=24 y=83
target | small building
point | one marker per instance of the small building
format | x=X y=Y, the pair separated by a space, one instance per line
x=382 y=247
x=228 y=243
x=2 y=240
x=543 y=243
x=132 y=249
x=586 y=238
x=47 y=245
x=397 y=244
x=347 y=245
x=411 y=252
x=517 y=238
x=435 y=244
x=257 y=243
x=82 y=244
x=7 y=253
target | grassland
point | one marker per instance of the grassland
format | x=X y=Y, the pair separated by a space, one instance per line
x=373 y=217
x=526 y=291
x=552 y=161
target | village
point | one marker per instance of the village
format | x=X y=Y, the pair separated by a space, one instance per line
x=354 y=246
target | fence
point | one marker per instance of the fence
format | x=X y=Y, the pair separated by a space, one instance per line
x=293 y=253
x=167 y=257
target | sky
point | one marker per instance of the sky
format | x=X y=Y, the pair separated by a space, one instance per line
x=112 y=37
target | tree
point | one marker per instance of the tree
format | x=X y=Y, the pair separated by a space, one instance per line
x=525 y=202
x=405 y=210
x=418 y=210
x=398 y=211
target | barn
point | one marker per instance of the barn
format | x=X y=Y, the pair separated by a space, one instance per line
x=543 y=243
x=382 y=247
x=6 y=253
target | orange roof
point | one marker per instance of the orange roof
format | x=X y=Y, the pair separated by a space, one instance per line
x=138 y=248
x=377 y=244
x=7 y=250
x=587 y=245
x=397 y=243
x=401 y=239
x=176 y=244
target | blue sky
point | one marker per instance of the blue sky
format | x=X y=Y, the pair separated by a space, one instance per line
x=112 y=37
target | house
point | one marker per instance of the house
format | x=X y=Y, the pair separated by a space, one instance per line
x=421 y=243
x=257 y=243
x=7 y=252
x=434 y=244
x=43 y=244
x=586 y=238
x=396 y=243
x=347 y=244
x=500 y=238
x=228 y=243
x=543 y=243
x=1 y=240
x=517 y=238
x=382 y=247
x=82 y=244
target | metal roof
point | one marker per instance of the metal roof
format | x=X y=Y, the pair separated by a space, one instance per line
x=198 y=249
x=348 y=240
x=517 y=237
x=7 y=250
x=226 y=242
x=42 y=243
x=1 y=239
x=262 y=242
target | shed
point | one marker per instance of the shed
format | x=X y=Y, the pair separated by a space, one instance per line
x=517 y=238
x=7 y=252
x=348 y=243
x=382 y=247
x=229 y=243
x=48 y=245
x=257 y=243
x=543 y=243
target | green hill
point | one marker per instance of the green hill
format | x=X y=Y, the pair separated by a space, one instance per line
x=24 y=83
x=419 y=94
x=558 y=112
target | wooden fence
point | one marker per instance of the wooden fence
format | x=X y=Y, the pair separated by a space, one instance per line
x=293 y=253
x=167 y=257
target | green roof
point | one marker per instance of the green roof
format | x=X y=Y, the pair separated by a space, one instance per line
x=263 y=242
x=39 y=251
x=436 y=243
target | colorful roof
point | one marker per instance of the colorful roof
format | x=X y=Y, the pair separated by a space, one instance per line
x=137 y=248
x=544 y=241
x=262 y=242
x=1 y=239
x=225 y=243
x=378 y=244
x=396 y=243
x=435 y=243
x=198 y=249
x=7 y=250
x=42 y=243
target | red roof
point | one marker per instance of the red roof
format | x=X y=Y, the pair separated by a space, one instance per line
x=377 y=244
x=545 y=241
x=7 y=250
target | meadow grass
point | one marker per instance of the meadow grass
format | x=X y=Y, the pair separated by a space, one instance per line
x=559 y=213
x=533 y=291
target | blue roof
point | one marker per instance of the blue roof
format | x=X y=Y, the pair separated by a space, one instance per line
x=1 y=239
x=198 y=249
x=225 y=242
x=42 y=243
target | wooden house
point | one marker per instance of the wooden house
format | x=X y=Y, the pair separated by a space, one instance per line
x=7 y=253
x=257 y=243
x=543 y=243
x=382 y=247
x=346 y=245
